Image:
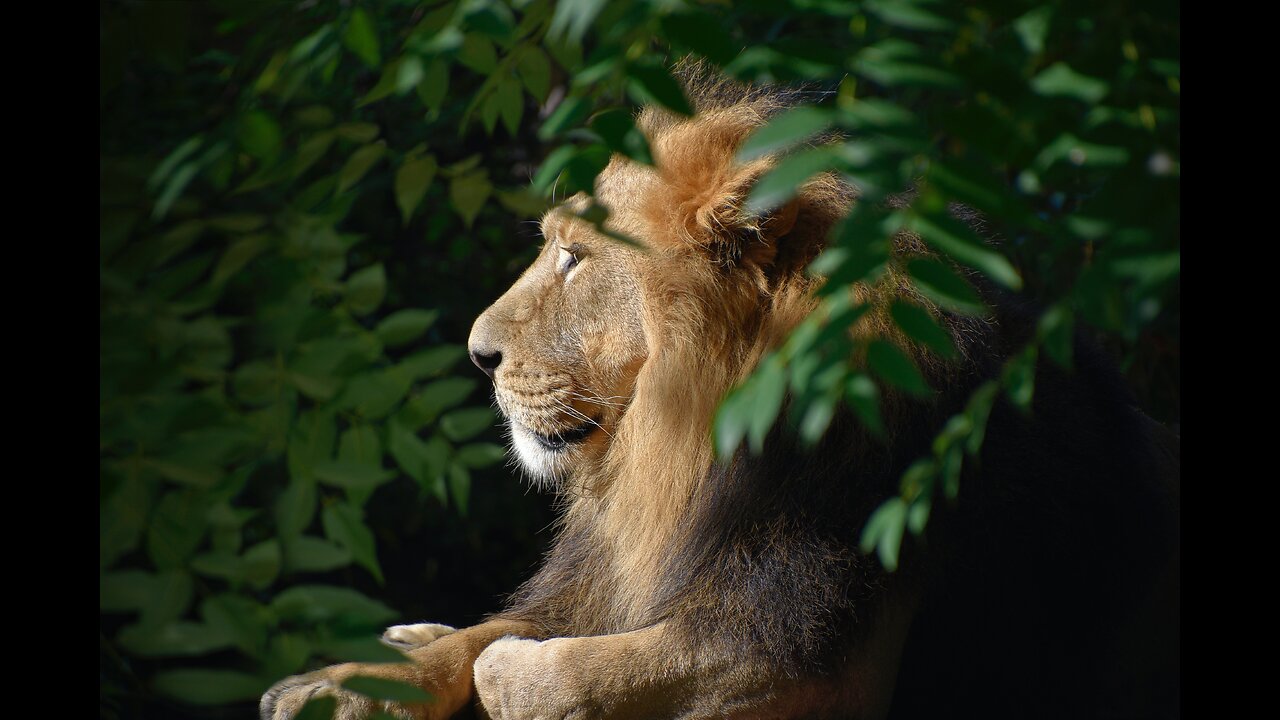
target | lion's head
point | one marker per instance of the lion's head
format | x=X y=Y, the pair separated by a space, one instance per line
x=594 y=328
x=564 y=345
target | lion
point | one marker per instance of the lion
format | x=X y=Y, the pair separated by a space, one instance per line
x=682 y=585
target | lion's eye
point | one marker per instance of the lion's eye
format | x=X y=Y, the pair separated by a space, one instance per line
x=567 y=260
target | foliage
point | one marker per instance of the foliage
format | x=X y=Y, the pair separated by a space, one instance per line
x=293 y=195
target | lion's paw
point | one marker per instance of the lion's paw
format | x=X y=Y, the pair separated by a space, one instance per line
x=287 y=698
x=521 y=679
x=412 y=636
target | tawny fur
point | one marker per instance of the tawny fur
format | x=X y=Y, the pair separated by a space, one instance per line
x=679 y=587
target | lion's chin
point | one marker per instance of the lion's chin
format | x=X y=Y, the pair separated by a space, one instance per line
x=545 y=459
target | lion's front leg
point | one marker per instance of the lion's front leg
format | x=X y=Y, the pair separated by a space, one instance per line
x=440 y=663
x=659 y=672
x=649 y=673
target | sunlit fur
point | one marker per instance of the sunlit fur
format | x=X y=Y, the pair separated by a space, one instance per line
x=683 y=586
x=719 y=287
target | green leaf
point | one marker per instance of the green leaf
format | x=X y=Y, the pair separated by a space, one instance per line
x=238 y=255
x=361 y=39
x=195 y=475
x=1059 y=80
x=209 y=687
x=357 y=132
x=310 y=151
x=177 y=183
x=257 y=567
x=957 y=241
x=978 y=410
x=435 y=84
x=534 y=70
x=405 y=326
x=344 y=525
x=883 y=532
x=478 y=54
x=318 y=708
x=244 y=621
x=423 y=461
x=383 y=689
x=316 y=388
x=468 y=194
x=785 y=131
x=177 y=527
x=460 y=486
x=894 y=366
x=365 y=289
x=441 y=395
x=360 y=444
x=123 y=519
x=374 y=394
x=572 y=18
x=412 y=180
x=431 y=362
x=782 y=182
x=942 y=285
x=480 y=455
x=175 y=639
x=124 y=590
x=576 y=167
x=1069 y=148
x=817 y=418
x=409 y=72
x=1033 y=28
x=352 y=474
x=510 y=104
x=159 y=598
x=489 y=110
x=366 y=649
x=619 y=132
x=568 y=114
x=358 y=164
x=261 y=564
x=918 y=514
x=909 y=15
x=651 y=84
x=311 y=554
x=769 y=385
x=325 y=604
x=172 y=161
x=466 y=423
x=731 y=421
x=920 y=326
x=862 y=394
x=1020 y=378
x=494 y=19
x=1056 y=334
x=702 y=33
x=259 y=135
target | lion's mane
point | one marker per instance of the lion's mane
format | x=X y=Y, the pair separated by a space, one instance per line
x=757 y=555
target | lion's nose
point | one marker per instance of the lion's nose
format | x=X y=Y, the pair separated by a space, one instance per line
x=486 y=360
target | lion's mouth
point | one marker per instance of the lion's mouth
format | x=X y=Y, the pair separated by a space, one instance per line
x=561 y=440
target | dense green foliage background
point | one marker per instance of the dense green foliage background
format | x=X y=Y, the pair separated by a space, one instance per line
x=304 y=205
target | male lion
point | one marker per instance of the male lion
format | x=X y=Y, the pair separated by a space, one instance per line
x=681 y=586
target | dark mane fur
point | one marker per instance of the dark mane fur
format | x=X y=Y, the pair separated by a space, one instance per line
x=1029 y=580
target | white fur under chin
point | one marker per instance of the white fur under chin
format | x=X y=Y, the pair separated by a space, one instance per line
x=543 y=465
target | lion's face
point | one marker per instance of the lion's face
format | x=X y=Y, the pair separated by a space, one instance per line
x=564 y=346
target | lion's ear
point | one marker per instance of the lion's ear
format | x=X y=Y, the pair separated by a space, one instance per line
x=778 y=223
x=757 y=237
x=731 y=232
x=701 y=198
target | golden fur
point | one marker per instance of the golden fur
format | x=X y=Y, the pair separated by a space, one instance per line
x=648 y=606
